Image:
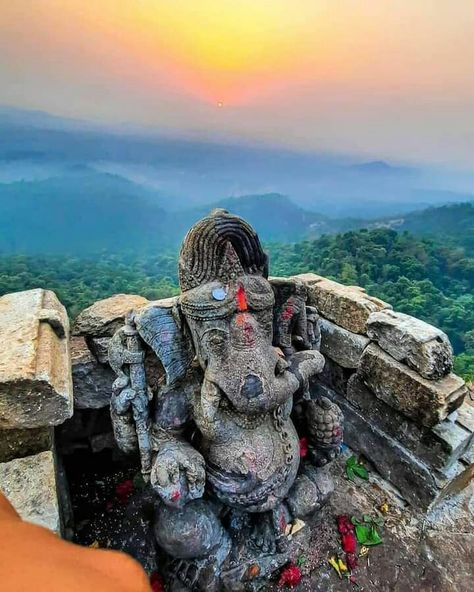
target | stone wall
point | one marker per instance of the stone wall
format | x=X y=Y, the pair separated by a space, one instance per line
x=36 y=394
x=390 y=373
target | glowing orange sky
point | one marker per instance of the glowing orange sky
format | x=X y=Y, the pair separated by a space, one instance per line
x=310 y=73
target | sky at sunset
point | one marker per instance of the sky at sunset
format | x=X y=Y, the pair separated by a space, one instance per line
x=381 y=78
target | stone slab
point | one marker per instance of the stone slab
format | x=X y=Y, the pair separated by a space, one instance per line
x=342 y=346
x=421 y=346
x=104 y=317
x=424 y=401
x=438 y=447
x=413 y=478
x=92 y=381
x=35 y=369
x=30 y=485
x=347 y=306
x=19 y=443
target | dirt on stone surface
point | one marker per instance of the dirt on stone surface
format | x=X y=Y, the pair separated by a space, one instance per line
x=419 y=552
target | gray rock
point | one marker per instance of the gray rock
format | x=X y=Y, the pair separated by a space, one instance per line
x=30 y=485
x=438 y=447
x=421 y=346
x=92 y=381
x=99 y=346
x=35 y=370
x=465 y=416
x=19 y=443
x=347 y=306
x=104 y=317
x=342 y=346
x=424 y=401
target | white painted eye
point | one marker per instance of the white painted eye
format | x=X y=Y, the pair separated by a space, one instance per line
x=219 y=293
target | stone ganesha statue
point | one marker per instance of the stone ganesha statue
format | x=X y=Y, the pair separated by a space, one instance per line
x=217 y=440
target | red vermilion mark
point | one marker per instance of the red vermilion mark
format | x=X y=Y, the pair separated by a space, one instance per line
x=241 y=299
x=282 y=522
x=175 y=496
x=287 y=313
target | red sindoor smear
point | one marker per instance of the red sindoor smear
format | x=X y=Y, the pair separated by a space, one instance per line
x=241 y=299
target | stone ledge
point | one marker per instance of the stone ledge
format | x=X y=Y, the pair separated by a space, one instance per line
x=439 y=447
x=30 y=485
x=347 y=306
x=424 y=401
x=35 y=369
x=394 y=463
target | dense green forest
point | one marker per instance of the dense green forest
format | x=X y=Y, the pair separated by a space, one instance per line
x=418 y=276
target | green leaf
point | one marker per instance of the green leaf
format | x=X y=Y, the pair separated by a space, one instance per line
x=374 y=537
x=350 y=473
x=351 y=462
x=361 y=472
x=362 y=533
x=301 y=561
x=367 y=535
x=367 y=518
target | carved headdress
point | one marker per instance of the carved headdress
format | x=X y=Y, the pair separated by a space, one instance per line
x=220 y=247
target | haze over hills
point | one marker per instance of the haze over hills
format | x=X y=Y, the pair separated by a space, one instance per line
x=86 y=212
x=190 y=173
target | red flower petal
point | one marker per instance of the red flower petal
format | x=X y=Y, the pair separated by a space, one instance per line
x=156 y=582
x=303 y=447
x=290 y=576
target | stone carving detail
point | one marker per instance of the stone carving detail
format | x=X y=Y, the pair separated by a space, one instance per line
x=217 y=442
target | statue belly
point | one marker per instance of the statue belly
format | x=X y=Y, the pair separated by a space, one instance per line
x=254 y=468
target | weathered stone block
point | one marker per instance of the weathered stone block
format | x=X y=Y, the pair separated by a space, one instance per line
x=341 y=345
x=35 y=370
x=438 y=447
x=421 y=346
x=347 y=306
x=425 y=401
x=30 y=485
x=19 y=443
x=465 y=416
x=396 y=464
x=104 y=317
x=92 y=381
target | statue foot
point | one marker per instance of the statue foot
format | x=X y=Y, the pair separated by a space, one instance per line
x=310 y=492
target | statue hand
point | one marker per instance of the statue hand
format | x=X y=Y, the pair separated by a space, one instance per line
x=306 y=364
x=178 y=474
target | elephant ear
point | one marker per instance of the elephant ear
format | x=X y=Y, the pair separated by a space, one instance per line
x=160 y=326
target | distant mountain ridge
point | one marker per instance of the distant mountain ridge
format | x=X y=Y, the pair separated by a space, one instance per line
x=87 y=212
x=194 y=172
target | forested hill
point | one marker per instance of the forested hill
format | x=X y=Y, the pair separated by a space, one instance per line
x=418 y=276
x=454 y=223
x=86 y=212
